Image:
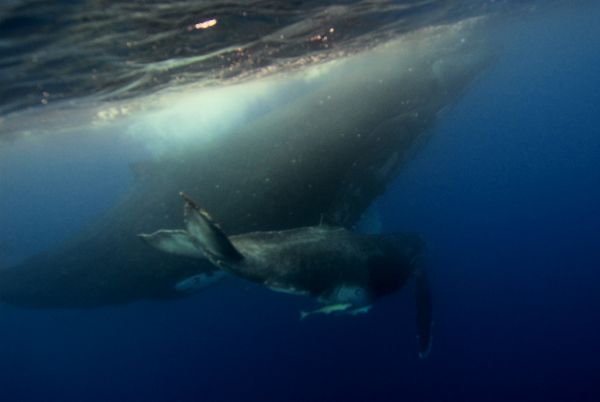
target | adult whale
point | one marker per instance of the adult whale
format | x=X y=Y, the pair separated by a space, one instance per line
x=345 y=271
x=323 y=156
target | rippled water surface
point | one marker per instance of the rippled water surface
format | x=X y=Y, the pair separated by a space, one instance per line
x=65 y=50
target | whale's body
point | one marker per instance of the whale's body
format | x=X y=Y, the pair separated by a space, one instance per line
x=324 y=155
x=330 y=263
x=341 y=269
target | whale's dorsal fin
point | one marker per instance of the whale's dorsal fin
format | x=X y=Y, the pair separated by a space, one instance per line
x=207 y=234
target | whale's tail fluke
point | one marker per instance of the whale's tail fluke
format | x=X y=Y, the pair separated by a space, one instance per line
x=202 y=237
x=208 y=235
x=424 y=303
x=177 y=242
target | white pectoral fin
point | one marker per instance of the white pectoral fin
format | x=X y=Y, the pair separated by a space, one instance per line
x=177 y=242
x=200 y=281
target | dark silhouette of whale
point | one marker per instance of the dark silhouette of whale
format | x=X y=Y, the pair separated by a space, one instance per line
x=345 y=271
x=326 y=153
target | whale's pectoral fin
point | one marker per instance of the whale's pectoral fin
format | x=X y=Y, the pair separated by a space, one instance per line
x=174 y=242
x=200 y=281
x=207 y=234
x=424 y=312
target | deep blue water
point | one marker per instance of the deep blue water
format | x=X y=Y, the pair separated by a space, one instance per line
x=507 y=194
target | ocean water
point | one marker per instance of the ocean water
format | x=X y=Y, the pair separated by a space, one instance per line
x=505 y=190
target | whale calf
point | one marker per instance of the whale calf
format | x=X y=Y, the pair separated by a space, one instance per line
x=343 y=270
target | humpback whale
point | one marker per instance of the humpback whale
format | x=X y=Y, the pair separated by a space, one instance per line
x=328 y=151
x=343 y=270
